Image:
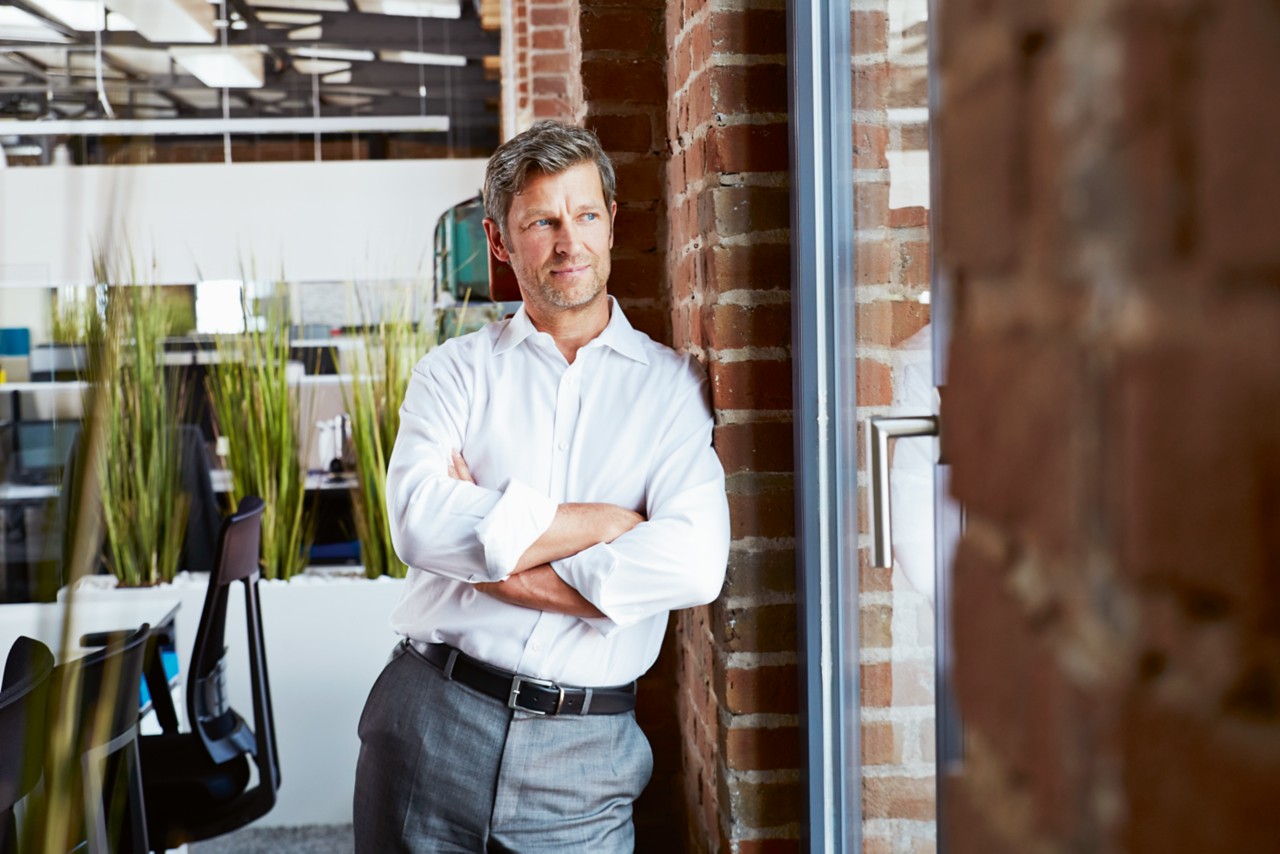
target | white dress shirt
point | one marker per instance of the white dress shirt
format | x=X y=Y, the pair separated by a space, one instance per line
x=627 y=423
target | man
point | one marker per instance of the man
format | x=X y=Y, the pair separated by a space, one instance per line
x=554 y=492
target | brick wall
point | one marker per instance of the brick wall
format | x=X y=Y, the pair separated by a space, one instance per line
x=622 y=77
x=728 y=257
x=891 y=203
x=547 y=83
x=1114 y=423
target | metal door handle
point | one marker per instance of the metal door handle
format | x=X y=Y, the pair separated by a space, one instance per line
x=880 y=429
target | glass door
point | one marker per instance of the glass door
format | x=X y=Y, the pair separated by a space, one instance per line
x=868 y=318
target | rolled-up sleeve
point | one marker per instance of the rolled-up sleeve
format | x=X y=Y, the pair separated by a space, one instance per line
x=676 y=559
x=439 y=524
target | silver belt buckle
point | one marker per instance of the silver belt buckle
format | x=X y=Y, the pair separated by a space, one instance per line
x=517 y=681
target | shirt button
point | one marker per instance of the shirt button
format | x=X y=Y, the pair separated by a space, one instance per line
x=564 y=446
x=537 y=646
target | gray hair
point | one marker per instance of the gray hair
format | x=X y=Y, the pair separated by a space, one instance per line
x=547 y=148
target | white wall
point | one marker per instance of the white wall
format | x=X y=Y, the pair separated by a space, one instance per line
x=316 y=222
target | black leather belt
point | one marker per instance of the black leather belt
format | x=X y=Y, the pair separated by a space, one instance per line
x=522 y=692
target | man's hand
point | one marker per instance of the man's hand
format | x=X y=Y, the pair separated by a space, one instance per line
x=458 y=468
x=533 y=583
x=541 y=589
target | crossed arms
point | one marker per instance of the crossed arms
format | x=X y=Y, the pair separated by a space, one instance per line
x=575 y=527
x=606 y=564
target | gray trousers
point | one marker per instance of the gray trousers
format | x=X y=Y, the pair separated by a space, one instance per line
x=444 y=768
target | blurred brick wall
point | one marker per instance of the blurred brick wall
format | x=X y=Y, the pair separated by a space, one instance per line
x=1110 y=185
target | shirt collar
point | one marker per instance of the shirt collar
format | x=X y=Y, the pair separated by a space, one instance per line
x=618 y=335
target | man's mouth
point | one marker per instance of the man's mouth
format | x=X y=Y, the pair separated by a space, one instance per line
x=565 y=271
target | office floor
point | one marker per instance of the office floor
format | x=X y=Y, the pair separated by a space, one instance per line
x=312 y=839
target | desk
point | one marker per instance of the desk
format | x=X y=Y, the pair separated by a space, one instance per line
x=315 y=481
x=44 y=620
x=23 y=493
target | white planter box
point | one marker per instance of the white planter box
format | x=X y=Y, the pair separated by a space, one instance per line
x=327 y=637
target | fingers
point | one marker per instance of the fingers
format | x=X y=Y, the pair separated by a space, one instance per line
x=458 y=469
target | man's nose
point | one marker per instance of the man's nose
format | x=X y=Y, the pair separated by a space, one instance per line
x=569 y=241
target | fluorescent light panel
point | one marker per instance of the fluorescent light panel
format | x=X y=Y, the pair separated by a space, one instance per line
x=83 y=15
x=334 y=53
x=306 y=34
x=169 y=20
x=218 y=68
x=304 y=5
x=20 y=26
x=414 y=57
x=412 y=8
x=299 y=19
x=320 y=66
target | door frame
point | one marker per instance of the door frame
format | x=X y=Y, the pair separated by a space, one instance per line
x=819 y=47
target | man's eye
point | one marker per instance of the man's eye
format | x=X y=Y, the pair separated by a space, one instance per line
x=541 y=223
x=591 y=217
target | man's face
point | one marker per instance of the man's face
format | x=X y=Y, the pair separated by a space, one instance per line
x=559 y=233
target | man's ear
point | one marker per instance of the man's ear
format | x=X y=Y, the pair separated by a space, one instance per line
x=613 y=215
x=496 y=243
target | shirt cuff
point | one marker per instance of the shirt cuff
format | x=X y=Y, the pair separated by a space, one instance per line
x=521 y=515
x=587 y=572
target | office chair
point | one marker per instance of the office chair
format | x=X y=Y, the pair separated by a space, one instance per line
x=104 y=771
x=24 y=700
x=197 y=782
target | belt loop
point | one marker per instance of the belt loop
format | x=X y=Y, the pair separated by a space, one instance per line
x=448 y=666
x=586 y=701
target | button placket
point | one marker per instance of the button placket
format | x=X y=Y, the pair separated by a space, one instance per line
x=568 y=404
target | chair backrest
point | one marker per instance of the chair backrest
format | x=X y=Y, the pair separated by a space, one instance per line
x=221 y=729
x=204 y=518
x=23 y=717
x=104 y=687
x=116 y=667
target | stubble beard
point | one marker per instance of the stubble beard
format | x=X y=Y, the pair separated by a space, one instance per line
x=577 y=296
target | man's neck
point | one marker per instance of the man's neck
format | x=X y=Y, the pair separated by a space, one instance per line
x=572 y=329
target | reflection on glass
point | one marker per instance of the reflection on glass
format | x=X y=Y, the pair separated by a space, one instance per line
x=892 y=218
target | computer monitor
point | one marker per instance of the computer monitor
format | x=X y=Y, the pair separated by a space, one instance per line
x=40 y=450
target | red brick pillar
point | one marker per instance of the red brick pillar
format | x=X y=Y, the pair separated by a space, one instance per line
x=728 y=260
x=1113 y=420
x=625 y=104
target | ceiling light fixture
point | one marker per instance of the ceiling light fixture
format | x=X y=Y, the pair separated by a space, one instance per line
x=223 y=68
x=412 y=8
x=17 y=25
x=168 y=21
x=319 y=66
x=417 y=57
x=334 y=53
x=304 y=5
x=300 y=19
x=76 y=14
